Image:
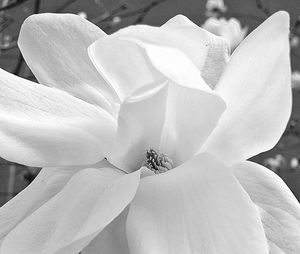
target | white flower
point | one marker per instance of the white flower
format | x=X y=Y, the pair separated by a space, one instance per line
x=215 y=7
x=82 y=14
x=166 y=98
x=294 y=41
x=230 y=29
x=294 y=163
x=296 y=80
x=276 y=164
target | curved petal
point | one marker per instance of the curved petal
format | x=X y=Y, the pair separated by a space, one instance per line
x=55 y=48
x=112 y=240
x=209 y=53
x=76 y=215
x=121 y=61
x=169 y=117
x=42 y=126
x=198 y=207
x=191 y=115
x=46 y=185
x=140 y=125
x=256 y=86
x=279 y=209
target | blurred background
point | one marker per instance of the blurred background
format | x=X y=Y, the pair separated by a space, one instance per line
x=232 y=19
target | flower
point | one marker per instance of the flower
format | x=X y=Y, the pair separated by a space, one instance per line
x=82 y=14
x=294 y=41
x=230 y=29
x=276 y=164
x=144 y=136
x=294 y=163
x=296 y=80
x=214 y=8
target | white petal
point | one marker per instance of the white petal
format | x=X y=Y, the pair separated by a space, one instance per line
x=47 y=184
x=191 y=116
x=280 y=210
x=42 y=126
x=122 y=63
x=55 y=48
x=140 y=125
x=198 y=207
x=77 y=214
x=170 y=118
x=256 y=88
x=112 y=240
x=208 y=52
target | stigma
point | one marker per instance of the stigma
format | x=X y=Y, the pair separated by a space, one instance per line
x=157 y=162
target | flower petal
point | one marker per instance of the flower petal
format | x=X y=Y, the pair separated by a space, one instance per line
x=112 y=240
x=168 y=117
x=77 y=214
x=191 y=115
x=256 y=86
x=140 y=125
x=42 y=126
x=208 y=52
x=280 y=211
x=46 y=185
x=123 y=65
x=55 y=48
x=198 y=207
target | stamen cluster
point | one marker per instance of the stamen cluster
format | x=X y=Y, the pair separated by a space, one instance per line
x=157 y=162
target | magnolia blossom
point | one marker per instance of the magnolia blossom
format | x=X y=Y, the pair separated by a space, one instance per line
x=144 y=136
x=230 y=29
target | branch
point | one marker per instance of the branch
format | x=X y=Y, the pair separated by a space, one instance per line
x=260 y=6
x=16 y=3
x=64 y=6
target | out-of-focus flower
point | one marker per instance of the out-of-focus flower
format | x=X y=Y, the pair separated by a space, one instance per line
x=294 y=164
x=230 y=29
x=214 y=8
x=116 y=20
x=294 y=41
x=147 y=100
x=82 y=14
x=296 y=80
x=276 y=164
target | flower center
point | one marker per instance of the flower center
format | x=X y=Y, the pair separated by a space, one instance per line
x=157 y=162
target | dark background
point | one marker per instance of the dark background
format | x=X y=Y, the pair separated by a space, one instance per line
x=112 y=15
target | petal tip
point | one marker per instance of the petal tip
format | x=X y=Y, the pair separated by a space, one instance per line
x=178 y=20
x=282 y=19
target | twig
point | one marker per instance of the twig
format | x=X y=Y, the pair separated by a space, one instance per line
x=12 y=5
x=260 y=6
x=64 y=6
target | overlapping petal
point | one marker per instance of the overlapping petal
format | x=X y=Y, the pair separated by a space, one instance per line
x=180 y=110
x=55 y=48
x=191 y=115
x=42 y=126
x=77 y=214
x=140 y=125
x=47 y=184
x=198 y=207
x=124 y=67
x=256 y=88
x=208 y=52
x=112 y=240
x=279 y=209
